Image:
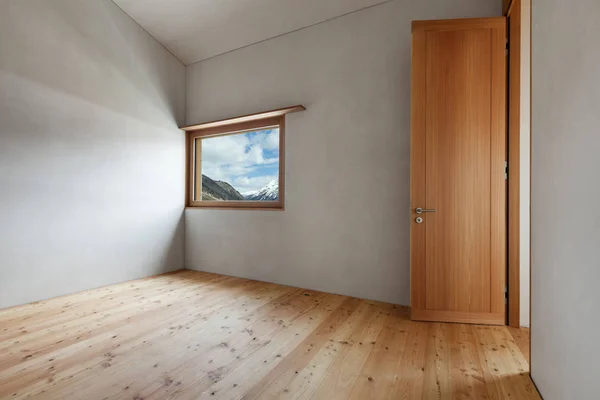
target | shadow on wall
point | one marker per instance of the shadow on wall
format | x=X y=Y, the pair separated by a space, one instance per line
x=91 y=160
x=73 y=47
x=174 y=256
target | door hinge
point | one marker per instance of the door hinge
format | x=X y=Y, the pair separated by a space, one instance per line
x=505 y=169
x=505 y=294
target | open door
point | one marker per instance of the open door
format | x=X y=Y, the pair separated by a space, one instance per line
x=458 y=186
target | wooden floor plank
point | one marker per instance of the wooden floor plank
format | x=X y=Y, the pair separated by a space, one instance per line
x=146 y=353
x=504 y=376
x=300 y=381
x=410 y=371
x=195 y=335
x=243 y=380
x=378 y=376
x=345 y=373
x=437 y=366
x=521 y=339
x=63 y=351
x=260 y=333
x=466 y=373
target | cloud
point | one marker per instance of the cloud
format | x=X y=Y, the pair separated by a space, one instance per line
x=268 y=140
x=247 y=161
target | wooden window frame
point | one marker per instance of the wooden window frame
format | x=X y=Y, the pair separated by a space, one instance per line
x=211 y=130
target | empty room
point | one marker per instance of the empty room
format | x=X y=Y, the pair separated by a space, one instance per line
x=299 y=199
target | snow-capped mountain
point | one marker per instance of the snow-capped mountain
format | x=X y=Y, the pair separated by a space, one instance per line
x=269 y=193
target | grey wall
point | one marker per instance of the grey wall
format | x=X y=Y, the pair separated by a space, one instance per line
x=565 y=199
x=345 y=228
x=91 y=161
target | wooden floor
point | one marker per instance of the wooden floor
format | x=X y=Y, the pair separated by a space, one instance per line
x=193 y=335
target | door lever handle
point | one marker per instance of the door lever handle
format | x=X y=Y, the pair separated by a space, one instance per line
x=421 y=210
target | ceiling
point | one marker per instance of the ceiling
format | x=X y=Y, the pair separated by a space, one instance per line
x=194 y=30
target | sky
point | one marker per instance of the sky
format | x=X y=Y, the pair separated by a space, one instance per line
x=247 y=161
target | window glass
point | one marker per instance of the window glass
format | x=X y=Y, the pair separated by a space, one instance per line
x=240 y=166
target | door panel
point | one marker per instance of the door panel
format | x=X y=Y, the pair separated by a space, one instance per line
x=457 y=162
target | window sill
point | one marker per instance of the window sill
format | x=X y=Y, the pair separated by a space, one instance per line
x=235 y=208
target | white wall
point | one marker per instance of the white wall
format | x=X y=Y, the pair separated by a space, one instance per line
x=345 y=228
x=91 y=161
x=525 y=161
x=565 y=199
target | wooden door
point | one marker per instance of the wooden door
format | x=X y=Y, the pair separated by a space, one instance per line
x=458 y=154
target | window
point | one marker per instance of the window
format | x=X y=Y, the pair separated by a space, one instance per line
x=238 y=162
x=238 y=165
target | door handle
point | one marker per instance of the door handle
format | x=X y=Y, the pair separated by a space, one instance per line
x=422 y=210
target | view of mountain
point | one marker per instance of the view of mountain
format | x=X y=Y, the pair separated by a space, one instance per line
x=268 y=193
x=241 y=166
x=218 y=190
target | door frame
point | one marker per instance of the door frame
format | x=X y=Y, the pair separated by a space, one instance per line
x=514 y=16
